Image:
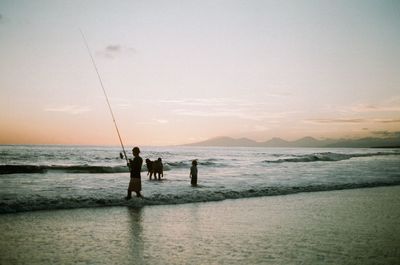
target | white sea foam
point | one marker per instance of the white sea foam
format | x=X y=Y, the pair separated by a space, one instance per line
x=42 y=177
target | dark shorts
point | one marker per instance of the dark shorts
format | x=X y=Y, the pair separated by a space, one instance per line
x=135 y=185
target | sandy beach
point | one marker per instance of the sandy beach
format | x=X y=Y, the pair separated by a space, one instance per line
x=359 y=226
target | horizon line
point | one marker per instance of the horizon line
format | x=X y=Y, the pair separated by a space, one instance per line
x=387 y=135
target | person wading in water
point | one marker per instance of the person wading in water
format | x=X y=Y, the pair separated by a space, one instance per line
x=193 y=173
x=135 y=167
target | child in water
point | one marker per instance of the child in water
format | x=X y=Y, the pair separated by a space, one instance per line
x=193 y=173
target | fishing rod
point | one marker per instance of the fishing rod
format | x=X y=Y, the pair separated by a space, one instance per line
x=105 y=94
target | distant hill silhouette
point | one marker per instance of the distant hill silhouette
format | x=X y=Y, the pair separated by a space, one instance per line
x=227 y=141
x=303 y=142
x=275 y=142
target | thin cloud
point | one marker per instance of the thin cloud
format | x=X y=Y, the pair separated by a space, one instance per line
x=113 y=50
x=392 y=105
x=123 y=105
x=388 y=120
x=118 y=102
x=69 y=109
x=241 y=113
x=153 y=122
x=208 y=102
x=386 y=134
x=278 y=94
x=223 y=107
x=170 y=101
x=344 y=120
x=208 y=113
x=333 y=121
x=161 y=121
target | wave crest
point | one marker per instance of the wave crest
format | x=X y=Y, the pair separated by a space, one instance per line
x=326 y=157
x=31 y=169
x=202 y=194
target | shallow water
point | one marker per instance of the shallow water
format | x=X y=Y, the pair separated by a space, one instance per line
x=62 y=177
x=358 y=226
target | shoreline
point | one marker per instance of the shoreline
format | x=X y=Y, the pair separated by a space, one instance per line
x=357 y=226
x=73 y=203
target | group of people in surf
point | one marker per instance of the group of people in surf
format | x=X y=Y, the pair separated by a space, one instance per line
x=153 y=167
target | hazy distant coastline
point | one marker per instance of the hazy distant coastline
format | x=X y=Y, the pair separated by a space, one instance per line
x=367 y=142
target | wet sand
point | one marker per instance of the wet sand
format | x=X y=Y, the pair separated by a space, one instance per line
x=360 y=226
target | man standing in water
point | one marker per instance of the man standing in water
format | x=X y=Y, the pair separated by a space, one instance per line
x=135 y=167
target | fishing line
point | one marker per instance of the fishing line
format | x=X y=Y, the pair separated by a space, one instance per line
x=105 y=94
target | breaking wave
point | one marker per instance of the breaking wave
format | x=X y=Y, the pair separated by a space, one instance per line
x=29 y=169
x=32 y=169
x=327 y=157
x=201 y=194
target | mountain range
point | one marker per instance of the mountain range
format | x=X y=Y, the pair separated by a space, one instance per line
x=303 y=142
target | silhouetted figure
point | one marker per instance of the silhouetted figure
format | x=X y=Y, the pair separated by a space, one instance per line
x=158 y=168
x=149 y=165
x=193 y=173
x=154 y=168
x=135 y=166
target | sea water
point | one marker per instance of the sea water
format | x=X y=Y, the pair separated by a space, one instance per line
x=65 y=177
x=359 y=226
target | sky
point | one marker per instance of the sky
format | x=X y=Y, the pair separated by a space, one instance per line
x=182 y=71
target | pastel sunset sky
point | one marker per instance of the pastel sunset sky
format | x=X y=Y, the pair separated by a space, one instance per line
x=184 y=71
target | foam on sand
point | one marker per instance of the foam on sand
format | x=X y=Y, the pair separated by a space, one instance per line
x=358 y=226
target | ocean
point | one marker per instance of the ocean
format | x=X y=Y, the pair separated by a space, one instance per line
x=65 y=205
x=67 y=177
